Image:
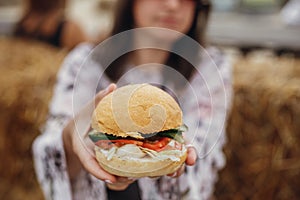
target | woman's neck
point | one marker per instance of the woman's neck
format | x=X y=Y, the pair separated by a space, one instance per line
x=145 y=56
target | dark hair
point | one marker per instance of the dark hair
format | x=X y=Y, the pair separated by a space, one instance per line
x=45 y=5
x=124 y=20
x=39 y=7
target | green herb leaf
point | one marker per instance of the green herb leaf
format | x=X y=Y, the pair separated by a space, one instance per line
x=175 y=134
x=96 y=136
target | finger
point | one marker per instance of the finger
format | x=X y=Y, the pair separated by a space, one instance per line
x=125 y=179
x=93 y=167
x=82 y=120
x=191 y=156
x=178 y=173
x=173 y=175
x=89 y=163
x=103 y=93
x=117 y=186
x=154 y=177
x=121 y=183
x=181 y=170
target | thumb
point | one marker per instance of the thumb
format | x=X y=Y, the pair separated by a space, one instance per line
x=100 y=95
x=83 y=118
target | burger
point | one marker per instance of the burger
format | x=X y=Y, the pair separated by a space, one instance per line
x=137 y=131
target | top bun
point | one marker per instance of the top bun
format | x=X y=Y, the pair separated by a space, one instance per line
x=139 y=108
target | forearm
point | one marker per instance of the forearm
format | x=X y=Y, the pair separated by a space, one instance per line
x=73 y=164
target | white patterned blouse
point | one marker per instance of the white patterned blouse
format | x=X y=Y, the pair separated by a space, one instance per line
x=204 y=102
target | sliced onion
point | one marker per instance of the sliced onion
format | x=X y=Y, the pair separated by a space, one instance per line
x=130 y=150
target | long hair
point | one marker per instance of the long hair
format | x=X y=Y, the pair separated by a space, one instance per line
x=39 y=7
x=42 y=6
x=124 y=20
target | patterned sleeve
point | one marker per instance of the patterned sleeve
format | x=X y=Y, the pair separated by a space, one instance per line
x=48 y=151
x=206 y=118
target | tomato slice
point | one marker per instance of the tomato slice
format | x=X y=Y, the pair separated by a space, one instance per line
x=158 y=144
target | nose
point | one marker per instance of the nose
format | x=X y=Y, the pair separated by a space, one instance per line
x=172 y=4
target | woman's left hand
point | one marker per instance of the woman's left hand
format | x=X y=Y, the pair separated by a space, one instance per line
x=190 y=161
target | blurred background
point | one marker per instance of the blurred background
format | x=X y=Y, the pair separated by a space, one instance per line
x=263 y=148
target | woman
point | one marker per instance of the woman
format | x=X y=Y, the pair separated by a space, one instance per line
x=67 y=171
x=45 y=20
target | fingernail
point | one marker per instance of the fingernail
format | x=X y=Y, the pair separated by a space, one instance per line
x=108 y=181
x=174 y=175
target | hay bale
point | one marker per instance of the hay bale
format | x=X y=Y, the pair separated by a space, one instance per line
x=263 y=147
x=28 y=72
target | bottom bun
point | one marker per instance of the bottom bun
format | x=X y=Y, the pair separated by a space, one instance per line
x=137 y=168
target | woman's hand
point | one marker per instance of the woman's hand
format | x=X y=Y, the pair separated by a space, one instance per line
x=190 y=161
x=121 y=183
x=80 y=153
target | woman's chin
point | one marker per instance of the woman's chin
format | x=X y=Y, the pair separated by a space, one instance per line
x=164 y=34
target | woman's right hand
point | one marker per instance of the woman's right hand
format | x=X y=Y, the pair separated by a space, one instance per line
x=80 y=154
